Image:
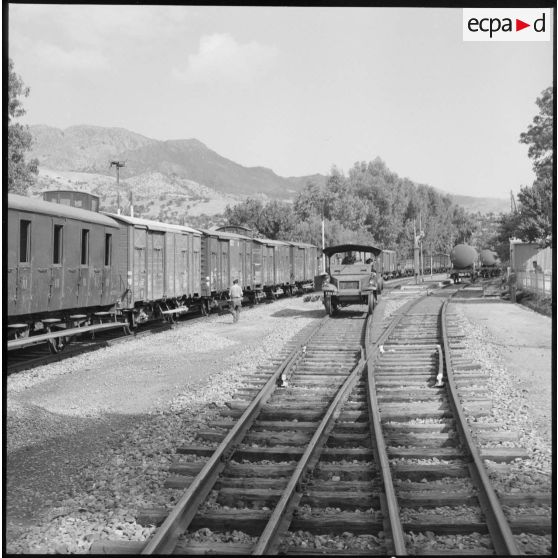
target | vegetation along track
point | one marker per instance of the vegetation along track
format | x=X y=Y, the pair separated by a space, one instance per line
x=336 y=456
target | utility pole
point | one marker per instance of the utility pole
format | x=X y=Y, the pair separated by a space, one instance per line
x=513 y=205
x=421 y=235
x=118 y=165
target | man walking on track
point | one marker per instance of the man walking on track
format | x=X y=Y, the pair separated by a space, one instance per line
x=236 y=300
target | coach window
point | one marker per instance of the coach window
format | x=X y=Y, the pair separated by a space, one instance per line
x=84 y=247
x=108 y=249
x=57 y=245
x=24 y=241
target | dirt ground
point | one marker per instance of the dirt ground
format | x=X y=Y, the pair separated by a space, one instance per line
x=524 y=340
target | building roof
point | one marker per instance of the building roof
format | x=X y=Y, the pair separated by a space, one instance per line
x=35 y=205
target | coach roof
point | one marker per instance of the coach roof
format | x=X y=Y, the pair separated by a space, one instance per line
x=35 y=205
x=225 y=234
x=152 y=225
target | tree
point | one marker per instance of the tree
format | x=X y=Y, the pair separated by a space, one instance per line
x=539 y=136
x=533 y=223
x=21 y=173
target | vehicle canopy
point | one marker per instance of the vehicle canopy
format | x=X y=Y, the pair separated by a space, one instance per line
x=354 y=253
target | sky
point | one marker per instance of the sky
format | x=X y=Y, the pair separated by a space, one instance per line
x=296 y=90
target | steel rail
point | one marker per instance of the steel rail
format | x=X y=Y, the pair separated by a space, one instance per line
x=390 y=505
x=281 y=516
x=180 y=517
x=498 y=526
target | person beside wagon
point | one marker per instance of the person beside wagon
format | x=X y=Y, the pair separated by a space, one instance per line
x=236 y=295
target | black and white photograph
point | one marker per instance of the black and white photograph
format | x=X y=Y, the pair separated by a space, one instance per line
x=279 y=280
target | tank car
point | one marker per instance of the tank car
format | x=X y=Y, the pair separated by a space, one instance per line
x=490 y=263
x=464 y=260
x=60 y=269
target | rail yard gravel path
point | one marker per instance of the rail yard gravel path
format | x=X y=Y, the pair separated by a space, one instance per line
x=89 y=440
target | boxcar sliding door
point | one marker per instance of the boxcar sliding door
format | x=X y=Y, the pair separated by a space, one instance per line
x=156 y=245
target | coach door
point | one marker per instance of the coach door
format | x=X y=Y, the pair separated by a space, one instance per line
x=13 y=258
x=56 y=273
x=23 y=281
x=106 y=279
x=84 y=268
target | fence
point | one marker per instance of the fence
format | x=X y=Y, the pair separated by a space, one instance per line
x=535 y=281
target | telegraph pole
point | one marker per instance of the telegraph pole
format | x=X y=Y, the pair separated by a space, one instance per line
x=118 y=165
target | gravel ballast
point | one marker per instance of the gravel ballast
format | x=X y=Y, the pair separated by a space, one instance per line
x=89 y=440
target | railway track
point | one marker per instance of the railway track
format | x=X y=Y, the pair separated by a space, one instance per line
x=362 y=441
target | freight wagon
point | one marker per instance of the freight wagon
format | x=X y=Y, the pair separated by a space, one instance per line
x=304 y=265
x=387 y=264
x=227 y=256
x=73 y=270
x=158 y=269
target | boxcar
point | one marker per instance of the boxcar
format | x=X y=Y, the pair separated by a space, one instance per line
x=276 y=266
x=158 y=271
x=227 y=256
x=60 y=263
x=388 y=264
x=304 y=265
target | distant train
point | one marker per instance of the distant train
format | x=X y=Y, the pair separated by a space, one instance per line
x=490 y=264
x=69 y=266
x=465 y=263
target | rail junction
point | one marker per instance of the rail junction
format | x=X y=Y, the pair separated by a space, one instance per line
x=366 y=427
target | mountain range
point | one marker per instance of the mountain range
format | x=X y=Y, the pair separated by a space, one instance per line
x=167 y=179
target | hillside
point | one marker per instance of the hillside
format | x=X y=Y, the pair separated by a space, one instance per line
x=91 y=148
x=482 y=205
x=169 y=180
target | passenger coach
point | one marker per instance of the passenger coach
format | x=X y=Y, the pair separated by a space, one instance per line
x=60 y=264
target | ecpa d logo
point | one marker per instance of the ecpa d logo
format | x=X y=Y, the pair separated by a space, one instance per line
x=506 y=24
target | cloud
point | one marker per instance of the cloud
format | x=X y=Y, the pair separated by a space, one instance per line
x=81 y=59
x=221 y=57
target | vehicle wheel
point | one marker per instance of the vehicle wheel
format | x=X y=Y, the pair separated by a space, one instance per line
x=371 y=303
